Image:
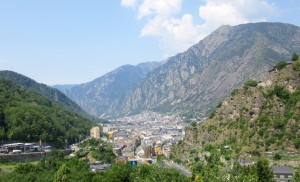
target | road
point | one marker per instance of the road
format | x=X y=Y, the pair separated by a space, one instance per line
x=174 y=165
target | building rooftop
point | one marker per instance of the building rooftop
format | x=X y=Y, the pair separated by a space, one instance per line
x=282 y=170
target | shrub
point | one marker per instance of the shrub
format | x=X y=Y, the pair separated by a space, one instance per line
x=295 y=57
x=209 y=147
x=234 y=92
x=219 y=104
x=193 y=151
x=281 y=92
x=212 y=114
x=268 y=93
x=251 y=83
x=264 y=119
x=194 y=124
x=281 y=65
x=279 y=123
x=277 y=156
x=296 y=66
x=297 y=144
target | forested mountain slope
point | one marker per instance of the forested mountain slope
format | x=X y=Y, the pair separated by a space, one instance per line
x=29 y=117
x=50 y=93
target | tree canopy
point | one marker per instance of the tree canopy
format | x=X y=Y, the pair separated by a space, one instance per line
x=29 y=117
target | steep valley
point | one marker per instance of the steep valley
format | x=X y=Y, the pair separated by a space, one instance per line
x=191 y=83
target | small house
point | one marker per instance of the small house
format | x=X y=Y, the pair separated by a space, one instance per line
x=283 y=173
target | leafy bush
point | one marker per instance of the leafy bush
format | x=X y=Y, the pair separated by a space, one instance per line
x=193 y=151
x=268 y=93
x=234 y=92
x=194 y=124
x=295 y=57
x=277 y=156
x=296 y=66
x=281 y=65
x=264 y=119
x=212 y=114
x=297 y=144
x=219 y=104
x=251 y=83
x=209 y=147
x=281 y=92
x=279 y=123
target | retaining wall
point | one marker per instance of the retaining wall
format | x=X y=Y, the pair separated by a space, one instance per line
x=26 y=157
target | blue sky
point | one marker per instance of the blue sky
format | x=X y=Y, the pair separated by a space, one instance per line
x=76 y=41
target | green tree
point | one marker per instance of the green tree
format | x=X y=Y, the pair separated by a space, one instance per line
x=61 y=174
x=243 y=173
x=263 y=170
x=295 y=57
x=297 y=175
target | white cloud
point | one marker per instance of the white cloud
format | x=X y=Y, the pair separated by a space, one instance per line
x=233 y=12
x=162 y=8
x=128 y=3
x=177 y=33
x=174 y=34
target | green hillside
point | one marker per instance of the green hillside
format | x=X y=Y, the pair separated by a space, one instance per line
x=29 y=117
x=260 y=117
x=52 y=94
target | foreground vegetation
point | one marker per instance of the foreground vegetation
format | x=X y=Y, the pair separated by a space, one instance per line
x=96 y=150
x=55 y=167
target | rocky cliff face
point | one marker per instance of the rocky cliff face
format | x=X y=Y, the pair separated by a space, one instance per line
x=104 y=96
x=194 y=80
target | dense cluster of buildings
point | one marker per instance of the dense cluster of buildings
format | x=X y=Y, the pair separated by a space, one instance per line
x=143 y=136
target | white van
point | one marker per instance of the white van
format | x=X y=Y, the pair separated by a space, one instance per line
x=16 y=151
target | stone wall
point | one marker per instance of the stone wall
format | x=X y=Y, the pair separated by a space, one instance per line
x=26 y=157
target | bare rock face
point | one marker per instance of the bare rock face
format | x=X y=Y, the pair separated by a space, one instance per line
x=104 y=95
x=194 y=80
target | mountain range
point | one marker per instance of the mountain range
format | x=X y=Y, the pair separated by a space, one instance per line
x=104 y=96
x=191 y=83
